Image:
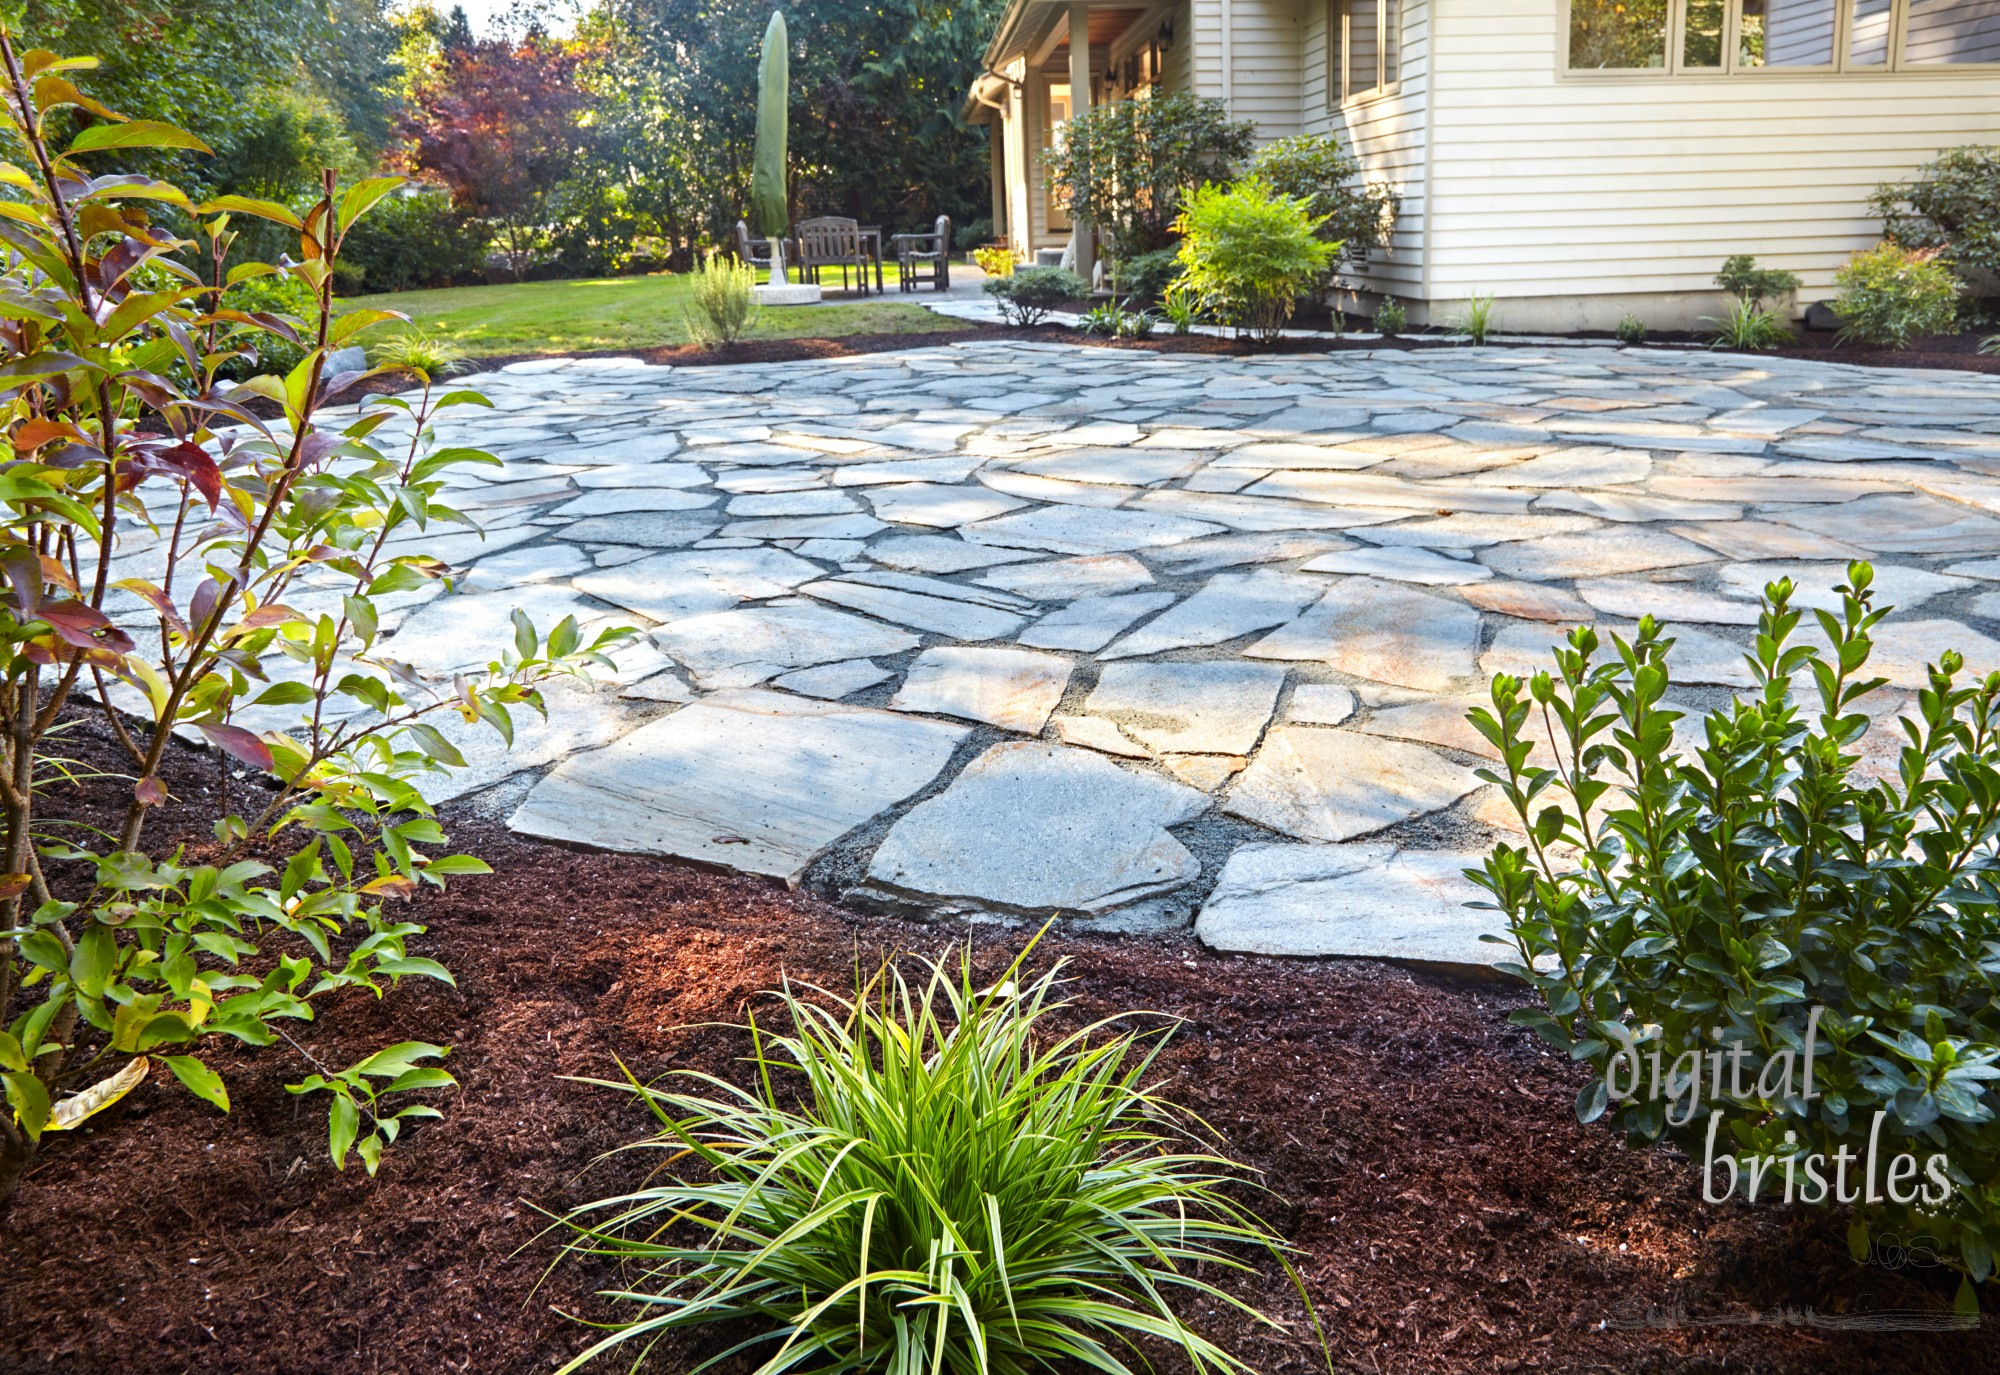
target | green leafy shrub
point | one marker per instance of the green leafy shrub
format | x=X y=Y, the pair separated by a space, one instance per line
x=1889 y=295
x=1390 y=317
x=1252 y=252
x=1754 y=285
x=1356 y=216
x=1953 y=204
x=724 y=301
x=1757 y=893
x=928 y=1179
x=1029 y=295
x=1474 y=321
x=1631 y=329
x=1147 y=277
x=285 y=534
x=970 y=235
x=994 y=262
x=417 y=240
x=1125 y=167
x=1748 y=326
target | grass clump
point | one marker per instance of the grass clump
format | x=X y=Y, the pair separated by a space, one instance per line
x=927 y=1178
x=428 y=355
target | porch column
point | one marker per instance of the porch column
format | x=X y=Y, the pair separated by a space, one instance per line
x=1079 y=103
x=996 y=147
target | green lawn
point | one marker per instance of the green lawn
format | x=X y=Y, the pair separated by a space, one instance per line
x=619 y=313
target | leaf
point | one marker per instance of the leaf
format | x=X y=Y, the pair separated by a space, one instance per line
x=201 y=1081
x=432 y=742
x=363 y=195
x=239 y=743
x=149 y=791
x=429 y=969
x=75 y=1109
x=137 y=133
x=342 y=1125
x=30 y=1101
x=264 y=210
x=91 y=964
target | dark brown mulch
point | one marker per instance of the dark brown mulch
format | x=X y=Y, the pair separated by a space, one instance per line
x=1450 y=1213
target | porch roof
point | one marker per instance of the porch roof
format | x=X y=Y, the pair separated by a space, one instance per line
x=1042 y=26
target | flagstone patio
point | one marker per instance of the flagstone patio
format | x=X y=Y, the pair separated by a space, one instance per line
x=1156 y=640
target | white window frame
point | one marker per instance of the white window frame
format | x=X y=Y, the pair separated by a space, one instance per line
x=1338 y=94
x=1676 y=67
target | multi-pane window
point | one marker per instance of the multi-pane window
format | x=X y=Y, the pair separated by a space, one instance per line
x=1364 y=38
x=1709 y=36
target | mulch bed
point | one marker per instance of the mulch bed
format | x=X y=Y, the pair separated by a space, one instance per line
x=1450 y=1213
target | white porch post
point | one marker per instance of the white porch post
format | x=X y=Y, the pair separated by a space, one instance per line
x=1079 y=103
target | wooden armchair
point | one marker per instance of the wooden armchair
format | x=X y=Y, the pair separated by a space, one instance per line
x=748 y=249
x=921 y=255
x=831 y=241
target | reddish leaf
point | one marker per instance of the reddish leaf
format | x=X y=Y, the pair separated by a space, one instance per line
x=154 y=598
x=239 y=744
x=150 y=791
x=84 y=626
x=36 y=431
x=193 y=462
x=11 y=884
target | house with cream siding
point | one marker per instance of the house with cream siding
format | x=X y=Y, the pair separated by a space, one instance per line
x=1575 y=159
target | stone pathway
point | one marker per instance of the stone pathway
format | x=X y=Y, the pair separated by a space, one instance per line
x=1148 y=640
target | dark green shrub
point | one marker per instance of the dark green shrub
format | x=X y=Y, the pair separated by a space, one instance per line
x=1754 y=285
x=1356 y=215
x=1631 y=329
x=1027 y=297
x=1390 y=317
x=1124 y=168
x=1253 y=252
x=966 y=237
x=418 y=240
x=1754 y=897
x=1953 y=204
x=1147 y=277
x=1889 y=295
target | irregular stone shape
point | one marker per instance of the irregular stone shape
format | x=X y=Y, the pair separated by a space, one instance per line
x=1062 y=580
x=1474 y=530
x=924 y=503
x=1260 y=513
x=1758 y=489
x=805 y=527
x=1088 y=623
x=1403 y=565
x=471 y=629
x=1321 y=704
x=667 y=587
x=941 y=587
x=1530 y=601
x=730 y=649
x=1760 y=539
x=1086 y=530
x=757 y=781
x=661 y=687
x=1228 y=606
x=1382 y=631
x=960 y=620
x=1631 y=598
x=806 y=503
x=1369 y=901
x=1896 y=585
x=833 y=681
x=1014 y=689
x=1599 y=554
x=950 y=468
x=1035 y=827
x=1374 y=489
x=1577 y=467
x=1033 y=488
x=652 y=529
x=630 y=475
x=1113 y=467
x=1440 y=723
x=1189 y=708
x=1633 y=508
x=1336 y=785
x=1988 y=569
x=1699 y=656
x=1906 y=523
x=550 y=563
x=769 y=480
x=1231 y=551
x=942 y=554
x=1092 y=731
x=1204 y=771
x=615 y=500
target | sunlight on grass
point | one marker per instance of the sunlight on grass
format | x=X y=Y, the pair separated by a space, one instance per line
x=619 y=313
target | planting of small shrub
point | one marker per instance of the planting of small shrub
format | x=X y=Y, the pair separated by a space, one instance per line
x=1890 y=295
x=1631 y=330
x=1779 y=962
x=1754 y=285
x=1147 y=277
x=725 y=301
x=1748 y=326
x=1474 y=321
x=1125 y=167
x=994 y=262
x=1032 y=293
x=1355 y=216
x=1252 y=252
x=1390 y=317
x=1953 y=204
x=928 y=1178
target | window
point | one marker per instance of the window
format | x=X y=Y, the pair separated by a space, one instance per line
x=1054 y=116
x=1736 y=36
x=1363 y=39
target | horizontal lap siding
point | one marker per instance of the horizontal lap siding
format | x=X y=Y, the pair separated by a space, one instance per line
x=1544 y=186
x=1386 y=134
x=1266 y=47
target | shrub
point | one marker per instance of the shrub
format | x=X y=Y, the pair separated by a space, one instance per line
x=417 y=240
x=1990 y=345
x=1748 y=326
x=1125 y=167
x=1390 y=317
x=1252 y=252
x=1148 y=276
x=1356 y=216
x=725 y=301
x=1668 y=904
x=1183 y=307
x=428 y=355
x=1889 y=295
x=994 y=262
x=1031 y=293
x=1953 y=205
x=970 y=235
x=1631 y=329
x=1754 y=285
x=131 y=955
x=928 y=1178
x=1474 y=322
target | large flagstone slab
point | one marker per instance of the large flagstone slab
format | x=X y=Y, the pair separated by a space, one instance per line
x=757 y=781
x=1086 y=530
x=1361 y=900
x=1336 y=785
x=1599 y=554
x=1698 y=656
x=1037 y=828
x=734 y=649
x=1907 y=523
x=1895 y=585
x=1189 y=708
x=1062 y=580
x=1228 y=606
x=1383 y=631
x=1014 y=689
x=1402 y=565
x=942 y=553
x=928 y=503
x=667 y=587
x=1089 y=623
x=960 y=619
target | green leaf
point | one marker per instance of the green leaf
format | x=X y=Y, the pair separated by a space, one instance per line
x=201 y=1081
x=423 y=1077
x=432 y=742
x=361 y=196
x=137 y=133
x=410 y=964
x=264 y=210
x=96 y=955
x=30 y=1101
x=342 y=1125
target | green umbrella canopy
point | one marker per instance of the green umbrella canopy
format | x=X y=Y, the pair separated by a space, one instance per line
x=768 y=203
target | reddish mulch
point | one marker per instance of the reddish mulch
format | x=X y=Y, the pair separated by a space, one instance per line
x=1451 y=1214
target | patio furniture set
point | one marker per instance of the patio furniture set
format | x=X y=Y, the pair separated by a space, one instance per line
x=831 y=241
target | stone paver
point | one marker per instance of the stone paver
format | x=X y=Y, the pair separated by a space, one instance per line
x=1235 y=605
